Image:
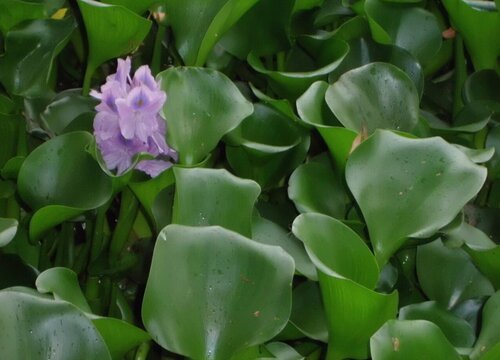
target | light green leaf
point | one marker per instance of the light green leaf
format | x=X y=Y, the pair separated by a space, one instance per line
x=202 y=106
x=489 y=337
x=458 y=331
x=228 y=292
x=206 y=197
x=36 y=327
x=409 y=187
x=63 y=284
x=358 y=103
x=314 y=187
x=411 y=340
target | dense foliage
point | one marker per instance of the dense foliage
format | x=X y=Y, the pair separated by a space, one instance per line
x=335 y=193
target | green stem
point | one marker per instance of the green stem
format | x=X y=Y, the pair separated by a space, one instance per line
x=65 y=255
x=143 y=351
x=128 y=211
x=156 y=60
x=460 y=74
x=280 y=61
x=87 y=79
x=98 y=232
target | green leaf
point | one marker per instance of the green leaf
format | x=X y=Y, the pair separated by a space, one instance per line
x=154 y=195
x=30 y=50
x=489 y=337
x=409 y=187
x=202 y=106
x=66 y=107
x=8 y=229
x=359 y=104
x=363 y=50
x=63 y=284
x=138 y=7
x=13 y=12
x=61 y=172
x=482 y=85
x=60 y=180
x=313 y=111
x=411 y=340
x=308 y=312
x=36 y=327
x=200 y=25
x=335 y=249
x=228 y=292
x=458 y=278
x=112 y=31
x=206 y=197
x=266 y=146
x=252 y=32
x=353 y=311
x=314 y=187
x=395 y=24
x=267 y=232
x=478 y=29
x=458 y=331
x=120 y=336
x=291 y=83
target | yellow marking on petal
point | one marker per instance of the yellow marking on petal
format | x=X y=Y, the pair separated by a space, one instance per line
x=59 y=14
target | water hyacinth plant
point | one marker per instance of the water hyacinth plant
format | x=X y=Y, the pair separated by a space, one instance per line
x=253 y=179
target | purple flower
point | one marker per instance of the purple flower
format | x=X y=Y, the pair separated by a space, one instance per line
x=128 y=121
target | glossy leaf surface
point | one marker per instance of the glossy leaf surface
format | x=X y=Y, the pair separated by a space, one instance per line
x=413 y=179
x=202 y=106
x=206 y=197
x=112 y=31
x=200 y=25
x=458 y=331
x=30 y=50
x=459 y=279
x=38 y=327
x=411 y=340
x=220 y=301
x=358 y=103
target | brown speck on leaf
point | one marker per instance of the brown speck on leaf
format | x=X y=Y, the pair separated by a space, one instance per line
x=395 y=343
x=449 y=33
x=256 y=313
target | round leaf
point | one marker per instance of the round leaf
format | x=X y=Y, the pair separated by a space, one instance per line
x=205 y=197
x=411 y=340
x=409 y=187
x=35 y=327
x=61 y=172
x=228 y=292
x=202 y=106
x=359 y=104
